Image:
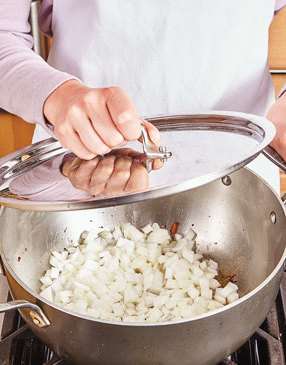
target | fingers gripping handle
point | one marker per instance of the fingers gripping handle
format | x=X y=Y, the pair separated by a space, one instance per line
x=151 y=151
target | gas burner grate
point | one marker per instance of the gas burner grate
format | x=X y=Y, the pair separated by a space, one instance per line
x=266 y=347
x=55 y=361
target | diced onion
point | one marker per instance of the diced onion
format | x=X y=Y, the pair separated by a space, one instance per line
x=133 y=275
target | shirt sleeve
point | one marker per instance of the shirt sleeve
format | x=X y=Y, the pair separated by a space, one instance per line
x=26 y=79
x=279 y=4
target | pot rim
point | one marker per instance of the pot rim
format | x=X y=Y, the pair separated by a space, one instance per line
x=151 y=324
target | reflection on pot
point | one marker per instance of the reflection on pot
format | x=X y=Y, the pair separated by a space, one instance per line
x=68 y=177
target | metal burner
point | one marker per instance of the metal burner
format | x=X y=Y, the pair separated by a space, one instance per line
x=55 y=361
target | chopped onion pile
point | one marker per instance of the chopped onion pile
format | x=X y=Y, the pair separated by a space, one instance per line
x=135 y=276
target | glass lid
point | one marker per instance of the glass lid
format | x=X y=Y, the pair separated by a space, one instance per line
x=197 y=149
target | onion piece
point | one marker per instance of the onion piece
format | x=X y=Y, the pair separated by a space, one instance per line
x=129 y=275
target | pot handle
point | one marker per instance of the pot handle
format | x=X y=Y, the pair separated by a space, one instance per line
x=36 y=313
x=275 y=157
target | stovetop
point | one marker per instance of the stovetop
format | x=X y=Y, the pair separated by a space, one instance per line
x=19 y=346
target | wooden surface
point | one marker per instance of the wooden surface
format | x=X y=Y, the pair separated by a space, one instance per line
x=15 y=133
x=282 y=183
x=279 y=81
x=277 y=41
x=277 y=61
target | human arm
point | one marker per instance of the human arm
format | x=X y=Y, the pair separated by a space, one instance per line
x=277 y=114
x=26 y=79
x=28 y=83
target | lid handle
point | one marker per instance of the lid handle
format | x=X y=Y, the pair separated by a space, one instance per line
x=151 y=151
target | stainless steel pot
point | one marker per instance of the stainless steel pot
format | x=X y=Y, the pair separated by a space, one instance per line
x=240 y=222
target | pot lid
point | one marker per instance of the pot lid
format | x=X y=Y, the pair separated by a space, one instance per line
x=198 y=149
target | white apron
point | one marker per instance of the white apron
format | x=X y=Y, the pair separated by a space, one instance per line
x=171 y=56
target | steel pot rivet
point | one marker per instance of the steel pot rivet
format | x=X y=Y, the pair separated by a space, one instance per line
x=163 y=150
x=36 y=321
x=273 y=217
x=226 y=180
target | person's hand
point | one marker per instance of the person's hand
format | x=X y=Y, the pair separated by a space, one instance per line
x=92 y=122
x=121 y=171
x=277 y=115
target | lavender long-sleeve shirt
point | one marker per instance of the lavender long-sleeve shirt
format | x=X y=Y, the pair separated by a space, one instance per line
x=26 y=80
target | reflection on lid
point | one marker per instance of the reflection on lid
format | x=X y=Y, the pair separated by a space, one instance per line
x=68 y=177
x=204 y=147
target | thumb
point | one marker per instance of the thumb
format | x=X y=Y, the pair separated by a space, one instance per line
x=152 y=131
